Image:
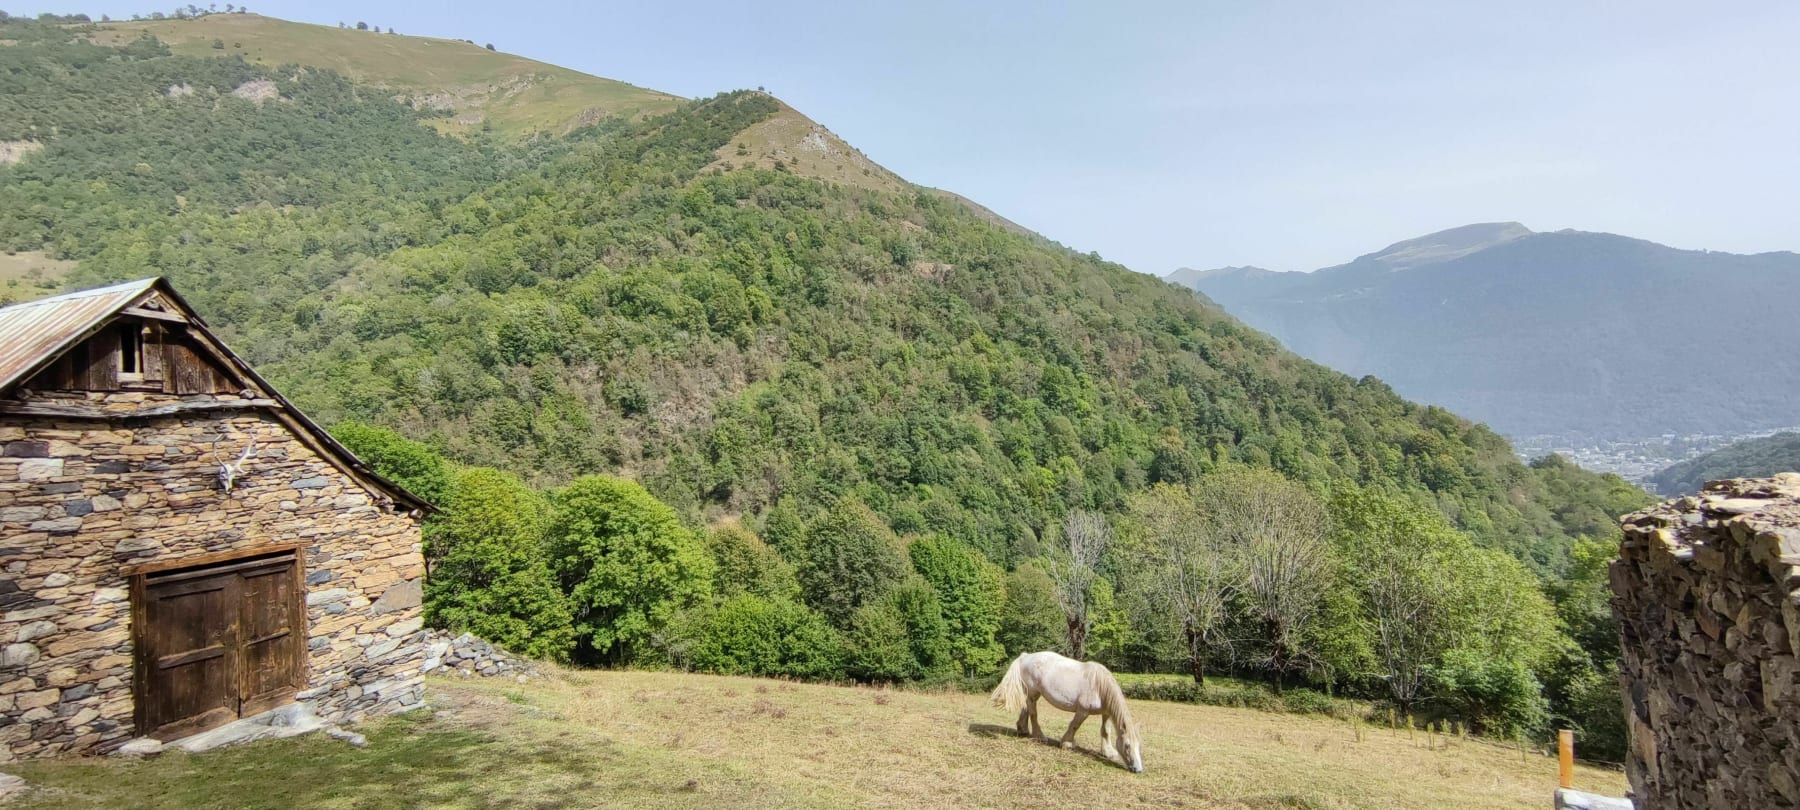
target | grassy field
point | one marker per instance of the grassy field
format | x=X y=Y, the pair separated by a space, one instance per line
x=648 y=739
x=514 y=94
x=29 y=274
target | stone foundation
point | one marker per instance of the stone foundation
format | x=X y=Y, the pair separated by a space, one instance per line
x=80 y=500
x=1707 y=594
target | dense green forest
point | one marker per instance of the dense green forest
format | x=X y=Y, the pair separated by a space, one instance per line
x=1750 y=458
x=748 y=421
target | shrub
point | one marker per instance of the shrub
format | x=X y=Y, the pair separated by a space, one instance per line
x=754 y=635
x=1498 y=696
x=1593 y=709
x=1236 y=694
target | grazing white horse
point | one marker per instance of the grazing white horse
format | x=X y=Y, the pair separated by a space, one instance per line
x=1082 y=687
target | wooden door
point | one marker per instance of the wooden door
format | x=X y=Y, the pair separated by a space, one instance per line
x=273 y=650
x=217 y=642
x=190 y=660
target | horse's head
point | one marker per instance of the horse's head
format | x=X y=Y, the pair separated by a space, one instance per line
x=1131 y=748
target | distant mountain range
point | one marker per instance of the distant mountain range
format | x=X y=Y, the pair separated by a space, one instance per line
x=1587 y=335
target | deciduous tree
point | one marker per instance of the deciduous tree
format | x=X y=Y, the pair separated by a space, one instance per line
x=626 y=562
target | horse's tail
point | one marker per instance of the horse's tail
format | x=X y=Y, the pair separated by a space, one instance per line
x=1011 y=691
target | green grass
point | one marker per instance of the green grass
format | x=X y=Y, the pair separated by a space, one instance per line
x=654 y=739
x=515 y=95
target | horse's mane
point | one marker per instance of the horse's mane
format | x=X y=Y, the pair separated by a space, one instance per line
x=1113 y=698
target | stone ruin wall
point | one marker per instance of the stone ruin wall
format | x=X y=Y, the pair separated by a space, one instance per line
x=1707 y=594
x=82 y=499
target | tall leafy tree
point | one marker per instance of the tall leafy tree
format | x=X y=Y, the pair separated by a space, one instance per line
x=626 y=562
x=1031 y=620
x=491 y=575
x=745 y=564
x=851 y=559
x=1187 y=574
x=972 y=593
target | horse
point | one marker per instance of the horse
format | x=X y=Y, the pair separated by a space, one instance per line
x=1082 y=687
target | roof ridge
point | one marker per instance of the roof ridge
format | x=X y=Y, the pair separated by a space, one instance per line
x=110 y=289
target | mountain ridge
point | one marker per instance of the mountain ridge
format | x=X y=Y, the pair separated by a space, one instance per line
x=1540 y=333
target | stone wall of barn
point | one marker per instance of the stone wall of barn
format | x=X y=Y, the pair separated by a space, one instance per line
x=1707 y=594
x=81 y=499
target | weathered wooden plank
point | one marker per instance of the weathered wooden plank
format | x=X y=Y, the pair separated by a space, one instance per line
x=153 y=314
x=218 y=557
x=103 y=361
x=171 y=409
x=192 y=374
x=154 y=355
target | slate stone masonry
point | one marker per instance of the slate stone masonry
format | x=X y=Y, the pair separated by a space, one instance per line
x=1707 y=594
x=82 y=499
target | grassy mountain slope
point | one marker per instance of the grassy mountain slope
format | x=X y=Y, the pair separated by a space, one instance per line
x=739 y=340
x=791 y=142
x=1751 y=458
x=1547 y=333
x=468 y=83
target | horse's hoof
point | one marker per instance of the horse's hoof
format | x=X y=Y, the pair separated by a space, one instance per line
x=1068 y=746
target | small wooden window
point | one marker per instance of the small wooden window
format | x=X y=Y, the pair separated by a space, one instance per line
x=131 y=352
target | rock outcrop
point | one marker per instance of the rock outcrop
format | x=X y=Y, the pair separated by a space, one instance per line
x=1707 y=594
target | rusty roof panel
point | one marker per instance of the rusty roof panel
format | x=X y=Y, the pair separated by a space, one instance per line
x=34 y=333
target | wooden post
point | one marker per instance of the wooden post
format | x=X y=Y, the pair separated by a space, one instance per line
x=1565 y=758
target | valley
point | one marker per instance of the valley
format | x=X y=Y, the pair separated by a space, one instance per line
x=698 y=386
x=1637 y=461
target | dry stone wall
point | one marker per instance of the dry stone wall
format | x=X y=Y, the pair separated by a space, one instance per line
x=82 y=499
x=470 y=656
x=1707 y=594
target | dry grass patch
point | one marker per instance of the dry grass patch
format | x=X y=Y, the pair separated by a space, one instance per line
x=792 y=142
x=648 y=739
x=28 y=275
x=516 y=95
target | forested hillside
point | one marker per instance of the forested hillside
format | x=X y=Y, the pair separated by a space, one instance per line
x=890 y=414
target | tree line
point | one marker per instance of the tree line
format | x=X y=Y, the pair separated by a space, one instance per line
x=1356 y=592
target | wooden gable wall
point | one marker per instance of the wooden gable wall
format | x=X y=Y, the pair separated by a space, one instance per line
x=169 y=362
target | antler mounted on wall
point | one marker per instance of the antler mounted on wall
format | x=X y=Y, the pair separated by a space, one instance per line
x=230 y=472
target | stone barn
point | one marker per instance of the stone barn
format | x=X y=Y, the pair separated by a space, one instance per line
x=179 y=546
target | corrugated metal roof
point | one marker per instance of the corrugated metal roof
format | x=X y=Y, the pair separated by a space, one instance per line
x=36 y=332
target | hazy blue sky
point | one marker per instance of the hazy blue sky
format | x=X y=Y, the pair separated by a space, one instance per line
x=1288 y=135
